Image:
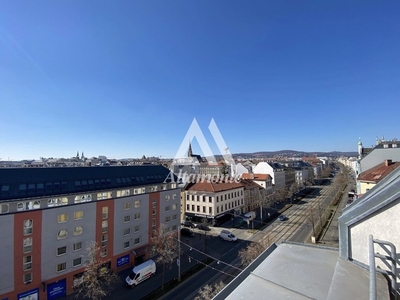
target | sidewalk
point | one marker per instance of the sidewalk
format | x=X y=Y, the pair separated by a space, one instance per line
x=331 y=236
x=120 y=291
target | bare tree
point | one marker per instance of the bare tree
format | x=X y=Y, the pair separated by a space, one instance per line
x=97 y=276
x=313 y=218
x=293 y=188
x=253 y=250
x=165 y=246
x=208 y=292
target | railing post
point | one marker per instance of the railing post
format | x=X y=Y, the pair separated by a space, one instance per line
x=372 y=273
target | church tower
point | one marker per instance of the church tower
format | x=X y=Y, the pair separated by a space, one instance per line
x=190 y=153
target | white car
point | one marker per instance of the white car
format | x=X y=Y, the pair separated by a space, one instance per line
x=227 y=236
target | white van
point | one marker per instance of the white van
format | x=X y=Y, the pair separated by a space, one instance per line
x=227 y=236
x=250 y=216
x=141 y=273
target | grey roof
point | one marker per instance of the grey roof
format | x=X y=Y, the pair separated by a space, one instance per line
x=33 y=182
x=300 y=271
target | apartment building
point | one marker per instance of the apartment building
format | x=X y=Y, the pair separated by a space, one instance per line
x=48 y=215
x=210 y=200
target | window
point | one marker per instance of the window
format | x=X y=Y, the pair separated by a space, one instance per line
x=4 y=208
x=127 y=231
x=62 y=218
x=154 y=225
x=127 y=205
x=154 y=212
x=174 y=217
x=126 y=244
x=83 y=198
x=137 y=228
x=27 y=244
x=167 y=197
x=78 y=230
x=103 y=195
x=127 y=218
x=204 y=209
x=136 y=241
x=104 y=239
x=174 y=196
x=187 y=206
x=28 y=278
x=27 y=262
x=198 y=208
x=123 y=193
x=103 y=252
x=217 y=209
x=28 y=226
x=61 y=250
x=77 y=246
x=77 y=262
x=62 y=234
x=78 y=215
x=154 y=202
x=61 y=267
x=210 y=210
x=192 y=207
x=167 y=208
x=210 y=199
x=217 y=198
x=174 y=227
x=137 y=216
x=105 y=212
x=104 y=226
x=57 y=202
x=167 y=219
x=137 y=203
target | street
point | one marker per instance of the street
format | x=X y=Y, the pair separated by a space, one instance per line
x=226 y=264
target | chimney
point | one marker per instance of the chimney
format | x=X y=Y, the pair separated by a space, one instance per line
x=251 y=175
x=388 y=162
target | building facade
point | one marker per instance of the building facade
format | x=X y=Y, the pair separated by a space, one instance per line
x=210 y=201
x=48 y=216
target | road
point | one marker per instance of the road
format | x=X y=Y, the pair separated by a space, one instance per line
x=226 y=264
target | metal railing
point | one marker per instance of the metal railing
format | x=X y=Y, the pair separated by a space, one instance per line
x=389 y=260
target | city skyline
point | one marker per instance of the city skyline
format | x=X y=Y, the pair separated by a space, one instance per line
x=125 y=80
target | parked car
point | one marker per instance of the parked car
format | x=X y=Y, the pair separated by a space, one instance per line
x=282 y=218
x=203 y=227
x=188 y=224
x=227 y=236
x=187 y=232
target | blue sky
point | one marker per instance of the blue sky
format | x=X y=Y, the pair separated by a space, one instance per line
x=126 y=78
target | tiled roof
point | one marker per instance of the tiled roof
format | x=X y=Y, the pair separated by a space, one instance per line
x=378 y=172
x=249 y=184
x=259 y=177
x=213 y=187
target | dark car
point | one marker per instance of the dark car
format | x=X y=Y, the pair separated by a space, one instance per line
x=282 y=218
x=188 y=224
x=203 y=227
x=187 y=232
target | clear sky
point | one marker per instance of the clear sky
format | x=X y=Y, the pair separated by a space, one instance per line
x=126 y=78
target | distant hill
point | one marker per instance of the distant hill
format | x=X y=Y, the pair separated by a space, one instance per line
x=293 y=153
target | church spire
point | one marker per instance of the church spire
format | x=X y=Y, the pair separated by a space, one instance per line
x=190 y=153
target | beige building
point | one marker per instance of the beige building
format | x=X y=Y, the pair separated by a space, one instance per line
x=212 y=200
x=368 y=179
